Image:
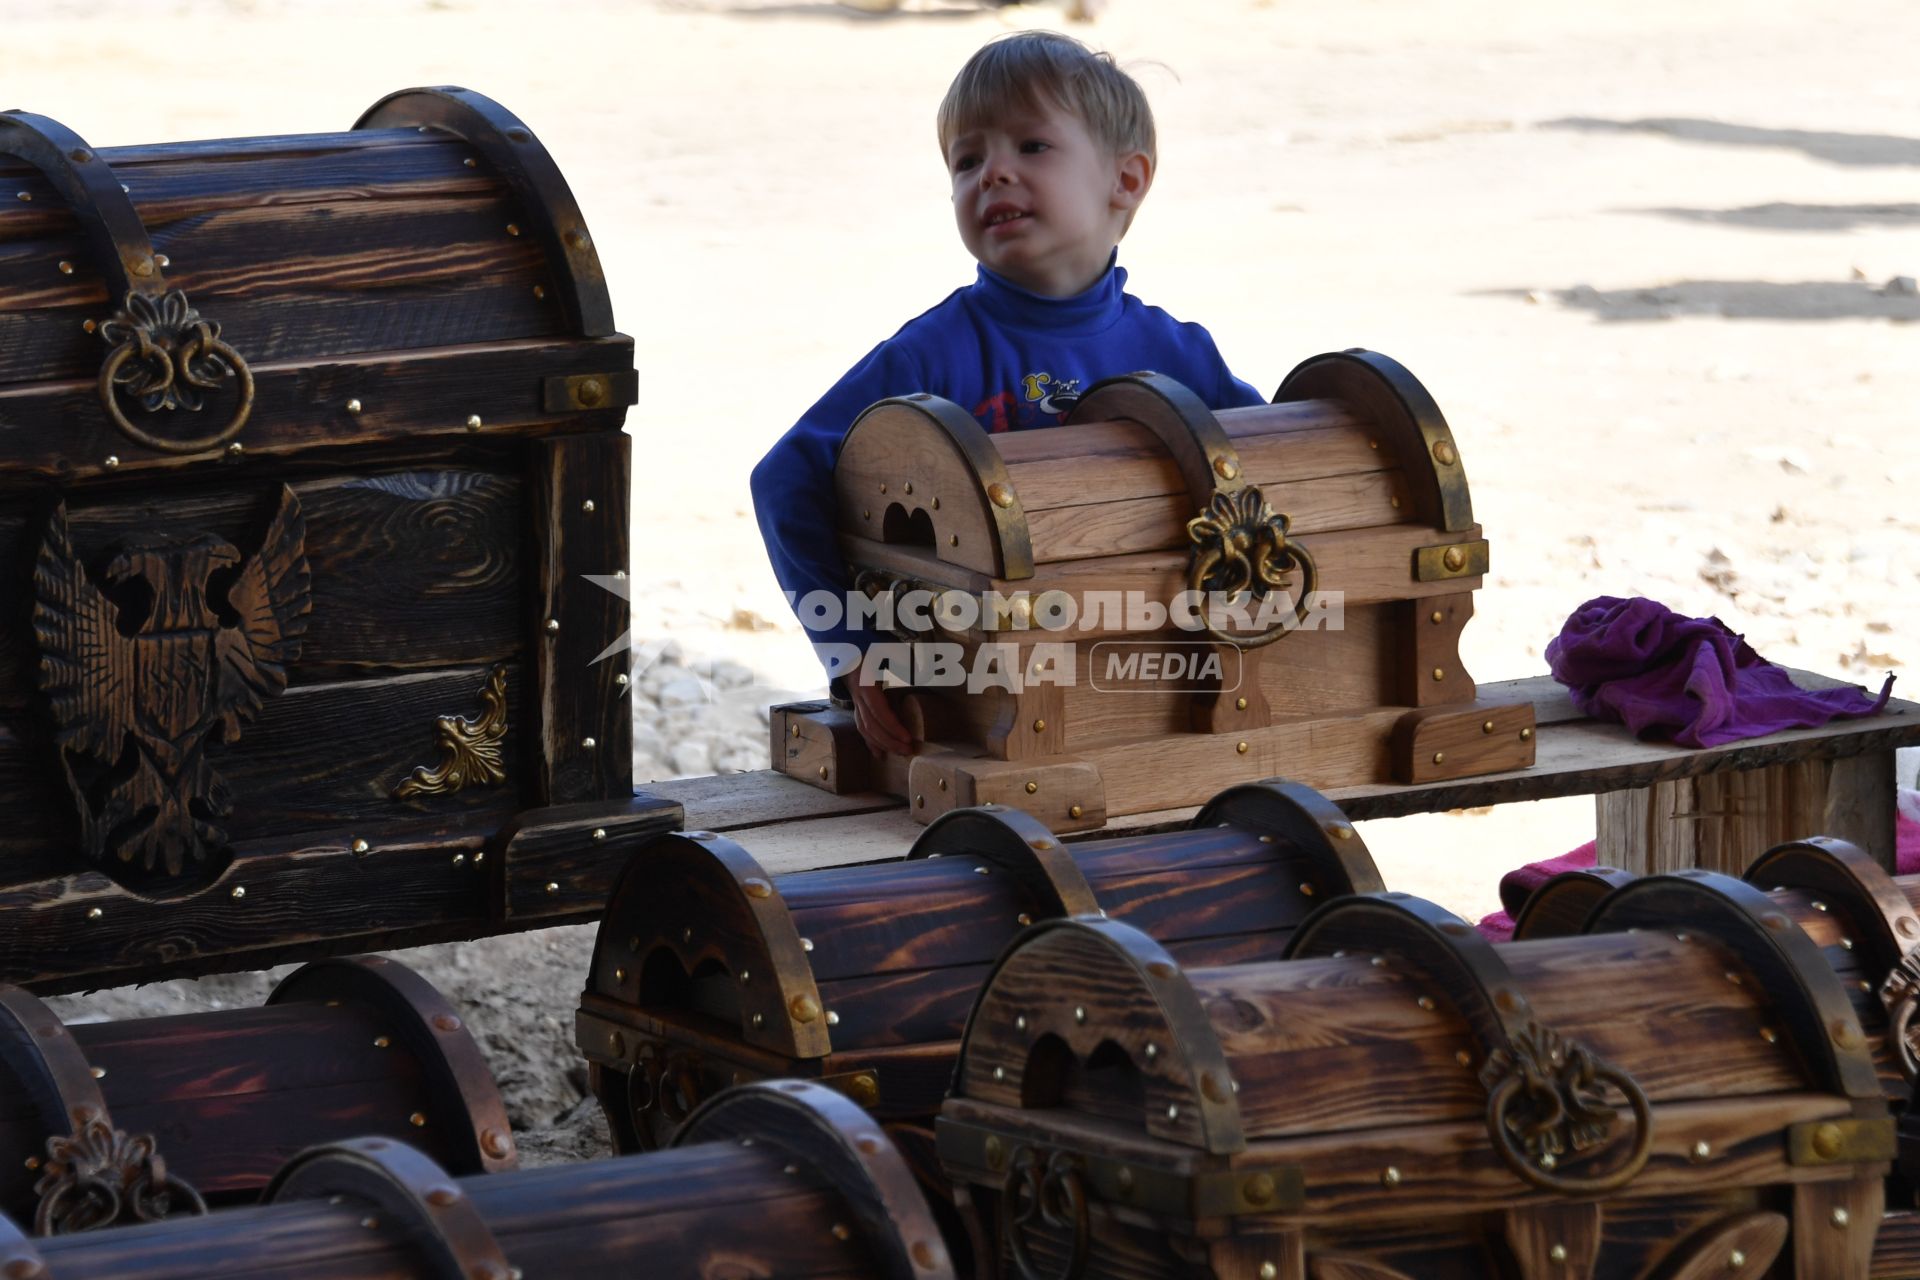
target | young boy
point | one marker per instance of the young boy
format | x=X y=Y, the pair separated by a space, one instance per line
x=1050 y=148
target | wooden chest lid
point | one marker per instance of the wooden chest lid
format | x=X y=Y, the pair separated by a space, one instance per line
x=1351 y=442
x=1393 y=1017
x=427 y=272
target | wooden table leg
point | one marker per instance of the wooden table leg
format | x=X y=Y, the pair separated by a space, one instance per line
x=1723 y=821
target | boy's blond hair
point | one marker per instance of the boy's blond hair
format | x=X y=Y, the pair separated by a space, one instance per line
x=1027 y=70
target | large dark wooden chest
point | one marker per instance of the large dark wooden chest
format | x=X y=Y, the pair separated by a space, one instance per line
x=313 y=538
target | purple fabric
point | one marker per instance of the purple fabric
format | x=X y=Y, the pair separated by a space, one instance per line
x=1692 y=680
x=1517 y=885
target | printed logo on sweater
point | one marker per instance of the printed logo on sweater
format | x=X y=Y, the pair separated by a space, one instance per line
x=1050 y=395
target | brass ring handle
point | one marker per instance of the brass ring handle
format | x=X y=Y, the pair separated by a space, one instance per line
x=1241 y=544
x=179 y=355
x=1536 y=1173
x=1056 y=1196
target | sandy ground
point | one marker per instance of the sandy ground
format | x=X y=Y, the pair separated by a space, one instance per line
x=1638 y=252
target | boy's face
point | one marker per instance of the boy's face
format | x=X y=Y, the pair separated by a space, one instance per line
x=1039 y=201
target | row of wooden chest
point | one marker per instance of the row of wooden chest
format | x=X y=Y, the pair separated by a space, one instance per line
x=1226 y=1051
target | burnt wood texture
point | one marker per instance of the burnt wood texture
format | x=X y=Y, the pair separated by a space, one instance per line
x=219 y=1101
x=708 y=971
x=313 y=521
x=788 y=1181
x=1689 y=1088
x=1081 y=576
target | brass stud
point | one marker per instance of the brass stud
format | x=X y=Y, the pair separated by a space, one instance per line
x=1306 y=888
x=144 y=267
x=1153 y=1051
x=1840 y=1217
x=495 y=1144
x=982 y=871
x=1702 y=1150
x=553 y=886
x=840 y=1231
x=381 y=1042
x=1239 y=704
x=33 y=1162
x=1342 y=833
x=1001 y=495
x=163 y=259
x=1846 y=944
x=1269 y=1272
x=576 y=239
x=1558 y=1253
x=1023 y=919
x=418 y=1119
x=66 y=268
x=1259 y=1189
x=1486 y=726
x=98 y=1073
x=920 y=801
x=1390 y=1177
x=599 y=833
x=907 y=488
x=804 y=1008
x=474 y=422
x=587 y=506
x=539 y=291
x=89 y=325
x=1039 y=726
x=1074 y=811
x=1436 y=617
x=94 y=913
x=369 y=1222
x=1439 y=673
x=999 y=1073
x=823 y=771
x=953 y=539
x=1443 y=453
x=1394 y=500
x=1439 y=757
x=806 y=944
x=470 y=162
x=943 y=784
x=1548 y=1160
x=1020 y=1022
x=1080 y=1014
x=360 y=848
x=756 y=887
x=1173 y=1111
x=833 y=1020
x=1425 y=1002
x=1769 y=1035
x=354 y=406
x=1818 y=905
x=24 y=195
x=1526 y=735
x=235 y=449
x=1240 y=748
x=1224 y=468
x=866 y=513
x=111 y=461
x=1373 y=444
x=513 y=228
x=553 y=625
x=619 y=975
x=1827 y=1141
x=239 y=891
x=1454 y=558
x=883 y=487
x=588 y=744
x=1736 y=1260
x=1032 y=787
x=1462 y=1057
x=759 y=1020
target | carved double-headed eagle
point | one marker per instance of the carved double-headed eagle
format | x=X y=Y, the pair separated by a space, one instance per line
x=137 y=700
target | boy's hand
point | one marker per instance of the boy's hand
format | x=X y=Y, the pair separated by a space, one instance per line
x=877 y=721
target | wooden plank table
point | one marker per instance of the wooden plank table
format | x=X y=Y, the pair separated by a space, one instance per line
x=1660 y=807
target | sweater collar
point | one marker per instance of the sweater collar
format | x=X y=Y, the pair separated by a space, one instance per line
x=1094 y=309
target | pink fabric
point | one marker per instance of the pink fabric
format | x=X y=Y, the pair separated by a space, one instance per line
x=1517 y=885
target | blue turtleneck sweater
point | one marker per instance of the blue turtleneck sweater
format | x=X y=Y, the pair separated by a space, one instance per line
x=1016 y=359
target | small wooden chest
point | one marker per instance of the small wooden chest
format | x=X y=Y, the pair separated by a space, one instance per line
x=1687 y=1095
x=1075 y=592
x=313 y=532
x=220 y=1100
x=708 y=971
x=793 y=1181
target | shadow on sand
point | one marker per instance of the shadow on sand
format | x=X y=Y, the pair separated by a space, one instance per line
x=1835 y=148
x=825 y=9
x=1734 y=300
x=1799 y=217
